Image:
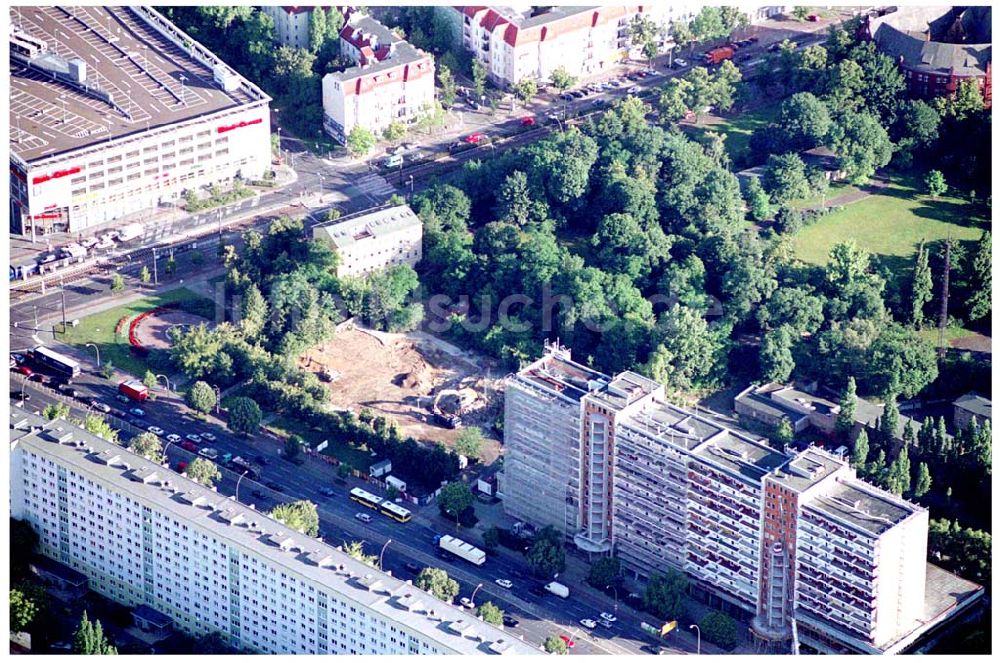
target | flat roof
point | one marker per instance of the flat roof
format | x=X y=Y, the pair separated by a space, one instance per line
x=807 y=469
x=367 y=225
x=564 y=376
x=862 y=505
x=624 y=389
x=151 y=80
x=672 y=424
x=788 y=395
x=245 y=527
x=769 y=406
x=741 y=454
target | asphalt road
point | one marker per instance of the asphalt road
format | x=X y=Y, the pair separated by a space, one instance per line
x=413 y=542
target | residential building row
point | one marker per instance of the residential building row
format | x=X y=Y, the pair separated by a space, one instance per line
x=391 y=81
x=373 y=240
x=780 y=537
x=114 y=111
x=143 y=535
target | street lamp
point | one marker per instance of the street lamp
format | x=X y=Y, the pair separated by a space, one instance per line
x=96 y=349
x=472 y=599
x=382 y=552
x=411 y=188
x=164 y=379
x=24 y=383
x=615 y=590
x=218 y=397
x=698 y=631
x=156 y=280
x=238 y=484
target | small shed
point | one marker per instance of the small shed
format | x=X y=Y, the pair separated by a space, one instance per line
x=152 y=621
x=971 y=406
x=380 y=468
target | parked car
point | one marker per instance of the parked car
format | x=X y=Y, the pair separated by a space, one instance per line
x=363 y=517
x=528 y=121
x=137 y=411
x=72 y=392
x=680 y=63
x=599 y=102
x=208 y=436
x=17 y=357
x=605 y=623
x=24 y=370
x=274 y=486
x=155 y=430
x=121 y=398
x=475 y=138
x=568 y=640
x=101 y=407
x=326 y=492
x=467 y=602
x=566 y=96
x=813 y=18
x=510 y=622
x=189 y=446
x=607 y=616
x=173 y=437
x=503 y=582
x=193 y=437
x=635 y=89
x=589 y=623
x=17 y=395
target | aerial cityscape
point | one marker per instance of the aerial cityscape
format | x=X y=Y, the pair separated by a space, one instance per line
x=526 y=330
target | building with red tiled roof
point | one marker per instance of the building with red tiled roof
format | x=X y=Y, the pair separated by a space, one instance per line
x=392 y=81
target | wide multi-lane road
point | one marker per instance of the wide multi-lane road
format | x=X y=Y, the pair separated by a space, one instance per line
x=411 y=543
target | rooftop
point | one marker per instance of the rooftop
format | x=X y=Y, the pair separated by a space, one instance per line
x=975 y=404
x=367 y=225
x=862 y=506
x=246 y=528
x=941 y=38
x=672 y=424
x=380 y=49
x=557 y=372
x=83 y=75
x=807 y=469
x=624 y=389
x=737 y=452
x=762 y=402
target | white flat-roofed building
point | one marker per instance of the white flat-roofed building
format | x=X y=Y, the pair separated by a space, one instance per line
x=114 y=110
x=392 y=81
x=374 y=240
x=143 y=534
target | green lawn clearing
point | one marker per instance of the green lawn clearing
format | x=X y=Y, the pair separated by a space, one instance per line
x=836 y=190
x=99 y=329
x=737 y=130
x=339 y=449
x=891 y=224
x=950 y=334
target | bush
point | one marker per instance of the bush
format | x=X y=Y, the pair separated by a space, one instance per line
x=720 y=629
x=788 y=220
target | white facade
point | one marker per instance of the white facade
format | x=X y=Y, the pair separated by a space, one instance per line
x=145 y=535
x=372 y=241
x=291 y=24
x=391 y=82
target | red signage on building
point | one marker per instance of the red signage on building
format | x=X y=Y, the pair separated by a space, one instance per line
x=56 y=175
x=240 y=125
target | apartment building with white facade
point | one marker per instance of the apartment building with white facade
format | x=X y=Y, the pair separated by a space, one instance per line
x=392 y=81
x=291 y=24
x=114 y=110
x=145 y=535
x=373 y=240
x=773 y=534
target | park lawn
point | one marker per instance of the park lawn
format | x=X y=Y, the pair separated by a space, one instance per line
x=891 y=224
x=950 y=334
x=836 y=190
x=737 y=129
x=99 y=329
x=339 y=449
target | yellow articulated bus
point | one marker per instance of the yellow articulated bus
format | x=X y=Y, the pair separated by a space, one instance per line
x=394 y=511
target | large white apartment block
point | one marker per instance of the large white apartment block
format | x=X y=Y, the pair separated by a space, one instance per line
x=105 y=124
x=373 y=240
x=291 y=24
x=144 y=535
x=792 y=539
x=392 y=81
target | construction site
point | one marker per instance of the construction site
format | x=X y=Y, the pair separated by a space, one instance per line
x=430 y=388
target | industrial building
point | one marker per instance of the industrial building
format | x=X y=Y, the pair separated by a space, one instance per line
x=144 y=535
x=374 y=239
x=793 y=540
x=114 y=110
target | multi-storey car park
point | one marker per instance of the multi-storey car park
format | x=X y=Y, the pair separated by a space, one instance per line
x=114 y=110
x=793 y=541
x=144 y=535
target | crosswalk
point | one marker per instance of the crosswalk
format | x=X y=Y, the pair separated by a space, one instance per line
x=374 y=186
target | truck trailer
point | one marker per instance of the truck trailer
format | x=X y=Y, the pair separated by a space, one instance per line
x=460 y=548
x=559 y=589
x=134 y=389
x=717 y=55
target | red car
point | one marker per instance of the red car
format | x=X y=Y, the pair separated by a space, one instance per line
x=190 y=446
x=181 y=466
x=569 y=641
x=527 y=121
x=475 y=139
x=813 y=18
x=24 y=370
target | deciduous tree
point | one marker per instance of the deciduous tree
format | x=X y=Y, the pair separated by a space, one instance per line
x=935 y=183
x=490 y=613
x=666 y=595
x=360 y=141
x=244 y=415
x=148 y=446
x=547 y=556
x=437 y=582
x=201 y=397
x=469 y=442
x=455 y=498
x=204 y=472
x=300 y=515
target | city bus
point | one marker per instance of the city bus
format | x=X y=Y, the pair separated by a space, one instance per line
x=366 y=498
x=394 y=511
x=54 y=361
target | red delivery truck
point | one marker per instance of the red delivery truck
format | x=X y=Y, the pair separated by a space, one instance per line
x=134 y=389
x=717 y=55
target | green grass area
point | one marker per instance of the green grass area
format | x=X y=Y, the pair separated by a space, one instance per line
x=339 y=449
x=737 y=129
x=891 y=224
x=836 y=190
x=950 y=334
x=99 y=329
